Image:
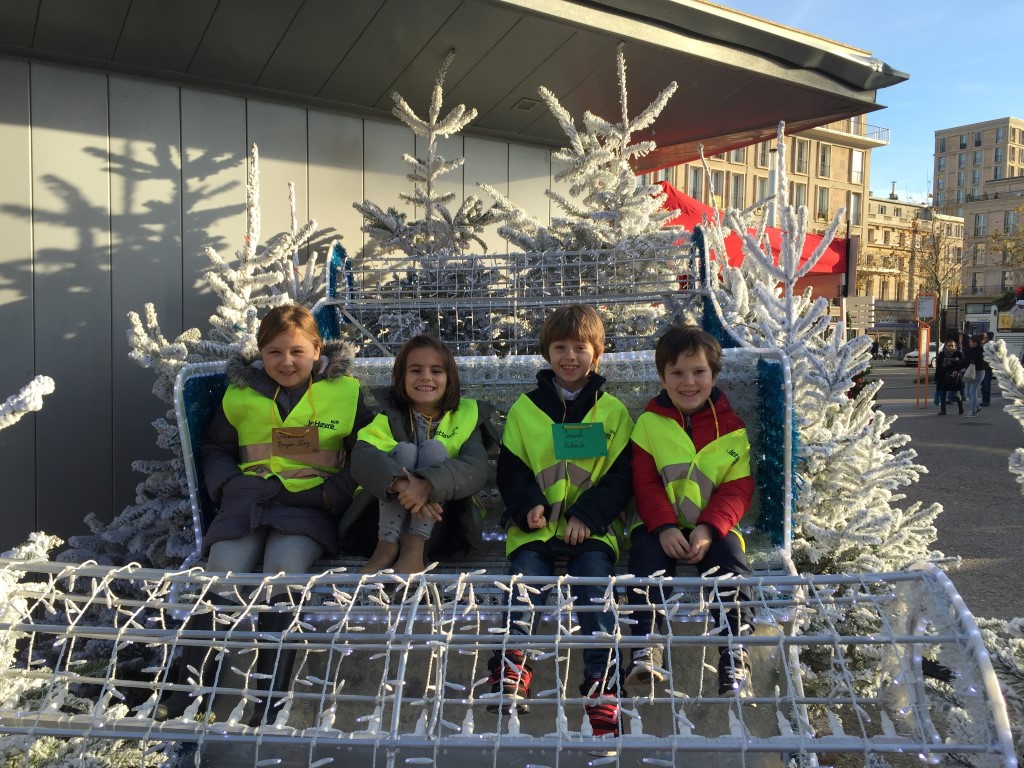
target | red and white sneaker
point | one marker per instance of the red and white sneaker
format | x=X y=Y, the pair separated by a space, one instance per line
x=603 y=709
x=510 y=680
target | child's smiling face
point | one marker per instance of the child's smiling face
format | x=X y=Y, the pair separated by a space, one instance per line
x=688 y=380
x=425 y=380
x=571 y=360
x=288 y=358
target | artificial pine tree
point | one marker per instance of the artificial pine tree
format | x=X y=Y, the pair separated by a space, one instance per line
x=850 y=467
x=156 y=530
x=435 y=262
x=611 y=237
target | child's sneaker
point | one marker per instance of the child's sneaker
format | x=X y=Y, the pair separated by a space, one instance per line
x=603 y=711
x=645 y=666
x=510 y=679
x=734 y=672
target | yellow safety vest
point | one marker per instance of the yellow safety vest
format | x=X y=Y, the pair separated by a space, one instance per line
x=528 y=435
x=453 y=430
x=250 y=414
x=690 y=476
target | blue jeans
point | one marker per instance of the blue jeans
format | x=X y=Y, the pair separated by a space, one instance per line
x=646 y=556
x=597 y=662
x=973 y=390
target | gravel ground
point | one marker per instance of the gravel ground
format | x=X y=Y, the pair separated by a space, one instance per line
x=968 y=475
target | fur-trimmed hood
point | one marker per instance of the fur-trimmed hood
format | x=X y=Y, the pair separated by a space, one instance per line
x=336 y=357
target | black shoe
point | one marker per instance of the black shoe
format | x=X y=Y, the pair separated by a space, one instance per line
x=985 y=405
x=274 y=664
x=201 y=658
x=734 y=672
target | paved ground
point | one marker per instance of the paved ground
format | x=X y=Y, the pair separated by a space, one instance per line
x=968 y=475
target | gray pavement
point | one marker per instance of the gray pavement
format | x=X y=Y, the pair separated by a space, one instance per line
x=968 y=475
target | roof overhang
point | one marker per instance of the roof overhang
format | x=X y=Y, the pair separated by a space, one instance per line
x=738 y=76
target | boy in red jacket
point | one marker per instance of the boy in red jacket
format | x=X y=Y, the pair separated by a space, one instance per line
x=692 y=483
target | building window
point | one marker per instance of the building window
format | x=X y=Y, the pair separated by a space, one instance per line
x=803 y=151
x=884 y=293
x=1007 y=281
x=897 y=212
x=696 y=187
x=961 y=160
x=824 y=160
x=881 y=210
x=899 y=291
x=762 y=154
x=942 y=144
x=855 y=209
x=761 y=187
x=940 y=183
x=959 y=197
x=998 y=154
x=903 y=239
x=974 y=193
x=960 y=178
x=738 y=155
x=797 y=194
x=940 y=199
x=718 y=187
x=821 y=205
x=1010 y=222
x=885 y=236
x=1013 y=154
x=977 y=157
x=963 y=141
x=1000 y=135
x=942 y=163
x=980 y=224
x=976 y=176
x=977 y=138
x=979 y=254
x=736 y=196
x=871 y=235
x=856 y=166
x=997 y=172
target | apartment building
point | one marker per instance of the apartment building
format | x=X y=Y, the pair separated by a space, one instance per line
x=909 y=249
x=979 y=175
x=828 y=168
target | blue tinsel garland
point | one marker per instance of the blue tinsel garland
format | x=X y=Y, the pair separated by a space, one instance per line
x=771 y=409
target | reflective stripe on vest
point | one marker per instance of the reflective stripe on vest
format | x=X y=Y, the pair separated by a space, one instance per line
x=454 y=429
x=528 y=435
x=249 y=413
x=689 y=476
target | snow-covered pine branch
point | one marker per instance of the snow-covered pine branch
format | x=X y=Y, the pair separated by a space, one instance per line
x=29 y=398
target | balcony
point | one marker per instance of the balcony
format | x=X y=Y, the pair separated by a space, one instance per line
x=993 y=289
x=854 y=133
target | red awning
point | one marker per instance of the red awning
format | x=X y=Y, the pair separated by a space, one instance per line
x=832 y=262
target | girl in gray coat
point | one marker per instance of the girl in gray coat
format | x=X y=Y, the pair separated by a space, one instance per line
x=428 y=447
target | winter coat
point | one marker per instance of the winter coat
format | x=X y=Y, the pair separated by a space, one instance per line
x=947 y=369
x=599 y=506
x=247 y=503
x=728 y=502
x=975 y=355
x=453 y=484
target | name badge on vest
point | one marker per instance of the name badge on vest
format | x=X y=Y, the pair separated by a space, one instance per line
x=295 y=441
x=579 y=441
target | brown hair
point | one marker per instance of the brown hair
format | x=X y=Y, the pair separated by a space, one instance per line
x=288 y=317
x=576 y=322
x=687 y=340
x=452 y=389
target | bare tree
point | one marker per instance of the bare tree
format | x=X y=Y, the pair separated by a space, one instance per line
x=936 y=252
x=1010 y=243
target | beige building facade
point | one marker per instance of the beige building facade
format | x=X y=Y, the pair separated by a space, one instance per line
x=979 y=175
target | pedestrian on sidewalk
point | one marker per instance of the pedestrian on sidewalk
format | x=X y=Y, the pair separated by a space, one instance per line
x=948 y=364
x=986 y=383
x=974 y=356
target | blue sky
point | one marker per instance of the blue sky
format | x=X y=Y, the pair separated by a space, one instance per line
x=948 y=86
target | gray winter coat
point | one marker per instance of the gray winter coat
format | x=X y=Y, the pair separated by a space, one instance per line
x=248 y=503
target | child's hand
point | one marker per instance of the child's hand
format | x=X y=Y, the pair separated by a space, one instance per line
x=700 y=540
x=575 y=532
x=431 y=511
x=673 y=543
x=535 y=518
x=416 y=492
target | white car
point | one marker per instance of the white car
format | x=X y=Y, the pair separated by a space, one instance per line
x=911 y=357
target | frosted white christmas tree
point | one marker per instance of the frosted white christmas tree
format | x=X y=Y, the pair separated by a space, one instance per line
x=157 y=529
x=438 y=248
x=850 y=467
x=611 y=237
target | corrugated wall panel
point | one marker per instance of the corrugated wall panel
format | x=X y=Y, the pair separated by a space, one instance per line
x=213 y=202
x=487 y=163
x=336 y=176
x=17 y=301
x=529 y=176
x=146 y=228
x=71 y=226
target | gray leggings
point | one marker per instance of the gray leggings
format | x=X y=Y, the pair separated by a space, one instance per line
x=394 y=518
x=281 y=552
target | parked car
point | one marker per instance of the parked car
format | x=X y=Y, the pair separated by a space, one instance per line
x=911 y=357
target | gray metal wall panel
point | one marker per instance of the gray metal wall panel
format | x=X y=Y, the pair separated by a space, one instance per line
x=146 y=227
x=336 y=176
x=487 y=163
x=529 y=176
x=71 y=228
x=17 y=302
x=384 y=171
x=280 y=134
x=213 y=202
